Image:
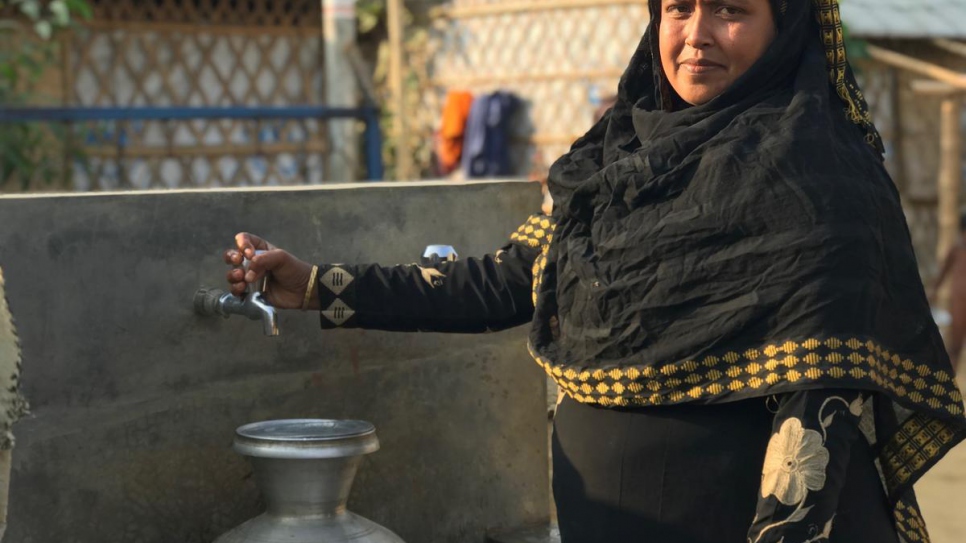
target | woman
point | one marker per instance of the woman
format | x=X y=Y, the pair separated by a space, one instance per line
x=729 y=297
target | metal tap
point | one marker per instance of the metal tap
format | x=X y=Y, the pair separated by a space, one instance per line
x=213 y=301
x=434 y=255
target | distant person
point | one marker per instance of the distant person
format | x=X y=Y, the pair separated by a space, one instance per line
x=954 y=269
x=726 y=292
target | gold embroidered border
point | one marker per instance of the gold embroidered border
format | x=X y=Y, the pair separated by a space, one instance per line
x=833 y=38
x=536 y=232
x=919 y=441
x=813 y=360
x=539 y=265
x=909 y=522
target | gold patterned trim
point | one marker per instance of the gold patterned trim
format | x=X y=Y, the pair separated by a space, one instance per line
x=909 y=522
x=835 y=361
x=833 y=38
x=919 y=442
x=828 y=360
x=539 y=265
x=536 y=232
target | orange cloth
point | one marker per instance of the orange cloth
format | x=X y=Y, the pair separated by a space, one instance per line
x=449 y=143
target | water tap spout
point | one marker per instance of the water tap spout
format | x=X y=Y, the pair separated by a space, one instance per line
x=258 y=309
x=213 y=301
x=209 y=301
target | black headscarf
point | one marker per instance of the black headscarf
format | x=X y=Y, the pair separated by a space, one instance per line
x=750 y=246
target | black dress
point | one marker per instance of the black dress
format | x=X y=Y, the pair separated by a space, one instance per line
x=692 y=474
x=794 y=468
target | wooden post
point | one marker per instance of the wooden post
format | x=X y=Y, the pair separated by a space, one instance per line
x=341 y=90
x=400 y=125
x=950 y=166
x=952 y=46
x=914 y=65
x=950 y=173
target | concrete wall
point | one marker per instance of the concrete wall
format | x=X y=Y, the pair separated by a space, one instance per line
x=135 y=399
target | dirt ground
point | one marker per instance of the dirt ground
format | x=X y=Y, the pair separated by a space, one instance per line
x=941 y=494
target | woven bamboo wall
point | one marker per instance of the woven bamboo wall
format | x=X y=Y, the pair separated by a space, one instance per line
x=910 y=131
x=173 y=53
x=560 y=56
x=910 y=125
x=293 y=13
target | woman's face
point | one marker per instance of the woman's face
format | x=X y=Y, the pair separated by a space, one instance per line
x=706 y=45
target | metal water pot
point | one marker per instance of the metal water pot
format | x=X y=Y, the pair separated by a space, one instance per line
x=304 y=469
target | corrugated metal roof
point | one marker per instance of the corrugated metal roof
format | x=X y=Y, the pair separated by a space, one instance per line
x=905 y=18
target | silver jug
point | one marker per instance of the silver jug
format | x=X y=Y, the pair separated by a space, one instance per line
x=304 y=469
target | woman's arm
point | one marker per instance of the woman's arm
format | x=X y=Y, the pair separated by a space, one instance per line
x=472 y=295
x=806 y=465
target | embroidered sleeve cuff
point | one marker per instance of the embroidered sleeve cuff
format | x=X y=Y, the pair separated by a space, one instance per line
x=337 y=295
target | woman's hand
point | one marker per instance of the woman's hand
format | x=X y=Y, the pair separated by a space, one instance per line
x=288 y=276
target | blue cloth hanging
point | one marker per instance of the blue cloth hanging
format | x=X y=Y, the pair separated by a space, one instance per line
x=486 y=145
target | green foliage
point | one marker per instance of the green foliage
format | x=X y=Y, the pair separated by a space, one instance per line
x=855 y=47
x=370 y=14
x=28 y=49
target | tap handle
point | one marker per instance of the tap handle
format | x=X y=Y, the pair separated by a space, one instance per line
x=270 y=321
x=254 y=305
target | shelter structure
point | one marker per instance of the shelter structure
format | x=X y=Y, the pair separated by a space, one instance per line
x=913 y=69
x=194 y=54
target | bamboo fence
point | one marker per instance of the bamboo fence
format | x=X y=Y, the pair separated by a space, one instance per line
x=176 y=53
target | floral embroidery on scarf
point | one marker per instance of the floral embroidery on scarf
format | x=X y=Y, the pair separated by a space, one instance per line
x=795 y=465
